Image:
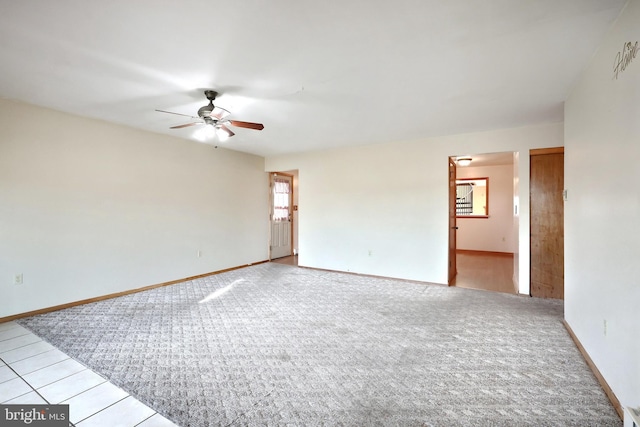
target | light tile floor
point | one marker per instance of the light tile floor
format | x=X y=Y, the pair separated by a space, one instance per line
x=32 y=371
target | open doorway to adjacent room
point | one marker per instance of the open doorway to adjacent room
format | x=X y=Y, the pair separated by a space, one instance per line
x=483 y=222
x=283 y=217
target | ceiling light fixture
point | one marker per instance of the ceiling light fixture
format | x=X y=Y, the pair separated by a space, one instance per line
x=222 y=134
x=204 y=133
x=464 y=161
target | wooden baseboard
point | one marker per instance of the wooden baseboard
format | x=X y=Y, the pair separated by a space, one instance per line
x=472 y=252
x=603 y=383
x=120 y=294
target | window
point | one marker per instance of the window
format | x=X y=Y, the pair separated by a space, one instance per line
x=281 y=197
x=472 y=197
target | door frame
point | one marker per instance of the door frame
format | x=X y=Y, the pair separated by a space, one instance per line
x=291 y=209
x=452 y=231
x=519 y=185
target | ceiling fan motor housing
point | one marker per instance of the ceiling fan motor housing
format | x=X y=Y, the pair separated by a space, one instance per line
x=206 y=110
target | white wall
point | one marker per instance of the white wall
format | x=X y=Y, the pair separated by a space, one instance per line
x=391 y=201
x=89 y=208
x=602 y=213
x=496 y=233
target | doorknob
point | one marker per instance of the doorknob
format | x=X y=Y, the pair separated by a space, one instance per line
x=454 y=228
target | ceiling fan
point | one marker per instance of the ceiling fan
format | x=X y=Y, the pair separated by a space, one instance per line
x=216 y=117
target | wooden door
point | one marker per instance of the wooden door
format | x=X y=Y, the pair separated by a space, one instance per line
x=281 y=215
x=547 y=223
x=452 y=221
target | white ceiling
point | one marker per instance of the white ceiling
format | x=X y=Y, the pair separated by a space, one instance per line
x=317 y=74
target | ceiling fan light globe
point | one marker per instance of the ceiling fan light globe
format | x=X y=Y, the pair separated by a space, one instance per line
x=204 y=133
x=222 y=134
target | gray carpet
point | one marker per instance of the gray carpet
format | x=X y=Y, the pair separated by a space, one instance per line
x=279 y=345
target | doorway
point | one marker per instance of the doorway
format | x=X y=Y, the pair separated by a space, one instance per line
x=483 y=226
x=281 y=215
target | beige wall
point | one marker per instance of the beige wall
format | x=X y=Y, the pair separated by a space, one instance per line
x=89 y=208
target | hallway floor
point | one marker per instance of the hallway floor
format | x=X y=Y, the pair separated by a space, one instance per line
x=489 y=271
x=287 y=260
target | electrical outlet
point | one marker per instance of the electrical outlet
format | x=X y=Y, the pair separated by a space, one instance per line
x=604 y=327
x=17 y=279
x=370 y=252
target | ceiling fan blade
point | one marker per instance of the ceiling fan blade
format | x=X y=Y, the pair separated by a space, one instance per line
x=185 y=125
x=226 y=129
x=248 y=125
x=219 y=113
x=177 y=114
